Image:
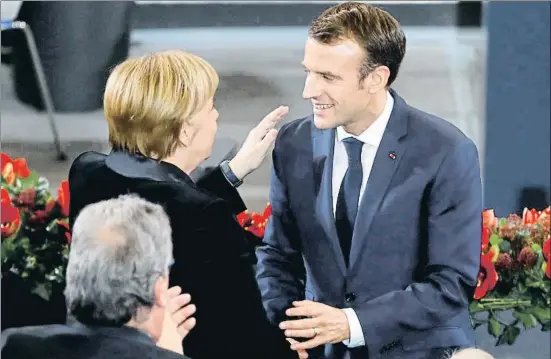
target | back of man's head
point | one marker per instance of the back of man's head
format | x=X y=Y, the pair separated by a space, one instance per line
x=471 y=353
x=120 y=248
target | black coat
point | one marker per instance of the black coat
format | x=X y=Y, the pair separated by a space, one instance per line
x=76 y=341
x=212 y=259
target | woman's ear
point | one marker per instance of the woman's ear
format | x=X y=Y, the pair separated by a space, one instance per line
x=185 y=138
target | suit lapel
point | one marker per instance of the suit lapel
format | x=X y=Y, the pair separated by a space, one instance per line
x=387 y=159
x=323 y=145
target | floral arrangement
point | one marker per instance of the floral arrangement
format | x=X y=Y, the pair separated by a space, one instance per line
x=515 y=273
x=35 y=230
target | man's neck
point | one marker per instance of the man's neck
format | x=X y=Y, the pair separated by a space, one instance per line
x=372 y=113
x=142 y=327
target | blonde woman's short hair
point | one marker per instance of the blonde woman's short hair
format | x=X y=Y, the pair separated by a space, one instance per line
x=148 y=99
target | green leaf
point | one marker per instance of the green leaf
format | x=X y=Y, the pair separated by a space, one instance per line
x=536 y=247
x=502 y=222
x=541 y=313
x=493 y=326
x=504 y=246
x=495 y=240
x=509 y=335
x=30 y=182
x=527 y=319
x=521 y=288
x=476 y=307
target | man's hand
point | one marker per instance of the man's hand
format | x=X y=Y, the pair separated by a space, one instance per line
x=177 y=322
x=302 y=354
x=325 y=325
x=181 y=314
x=257 y=144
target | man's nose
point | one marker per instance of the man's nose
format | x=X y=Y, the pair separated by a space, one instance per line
x=311 y=89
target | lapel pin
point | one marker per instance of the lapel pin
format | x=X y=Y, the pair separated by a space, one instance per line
x=392 y=155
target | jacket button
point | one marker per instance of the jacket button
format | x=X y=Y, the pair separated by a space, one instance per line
x=350 y=297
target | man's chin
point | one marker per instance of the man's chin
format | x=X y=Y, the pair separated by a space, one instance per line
x=323 y=123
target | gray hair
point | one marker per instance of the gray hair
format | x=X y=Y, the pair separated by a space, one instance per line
x=119 y=248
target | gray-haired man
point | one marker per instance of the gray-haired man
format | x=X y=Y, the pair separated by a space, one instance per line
x=117 y=290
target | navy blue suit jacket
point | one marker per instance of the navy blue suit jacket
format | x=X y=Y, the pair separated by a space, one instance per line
x=415 y=251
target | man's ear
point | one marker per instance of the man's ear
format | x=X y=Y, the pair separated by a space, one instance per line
x=161 y=292
x=379 y=79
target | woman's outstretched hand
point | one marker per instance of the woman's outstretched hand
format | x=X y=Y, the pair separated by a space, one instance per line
x=258 y=143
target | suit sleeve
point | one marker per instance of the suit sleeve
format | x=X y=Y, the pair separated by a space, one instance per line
x=280 y=268
x=454 y=232
x=212 y=265
x=215 y=182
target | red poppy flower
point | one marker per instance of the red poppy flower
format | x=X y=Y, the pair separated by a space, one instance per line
x=267 y=211
x=63 y=197
x=11 y=219
x=489 y=219
x=547 y=255
x=531 y=216
x=258 y=225
x=243 y=218
x=11 y=169
x=487 y=277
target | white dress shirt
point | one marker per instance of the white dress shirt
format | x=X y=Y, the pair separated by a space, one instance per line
x=371 y=138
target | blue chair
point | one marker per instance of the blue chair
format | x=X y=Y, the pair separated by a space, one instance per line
x=39 y=70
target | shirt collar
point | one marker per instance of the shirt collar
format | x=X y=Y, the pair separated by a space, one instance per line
x=374 y=133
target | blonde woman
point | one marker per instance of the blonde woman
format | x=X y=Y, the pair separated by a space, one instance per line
x=162 y=124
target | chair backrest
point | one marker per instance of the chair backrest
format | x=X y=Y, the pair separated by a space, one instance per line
x=10 y=9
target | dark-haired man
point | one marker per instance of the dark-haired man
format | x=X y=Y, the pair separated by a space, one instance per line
x=373 y=247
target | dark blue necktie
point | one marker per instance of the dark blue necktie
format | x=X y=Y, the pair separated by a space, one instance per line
x=349 y=193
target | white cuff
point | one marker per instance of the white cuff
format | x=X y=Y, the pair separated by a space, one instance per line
x=356 y=333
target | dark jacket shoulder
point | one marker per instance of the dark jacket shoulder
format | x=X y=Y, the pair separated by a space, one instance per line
x=80 y=342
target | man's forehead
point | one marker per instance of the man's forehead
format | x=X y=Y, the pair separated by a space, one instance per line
x=344 y=47
x=335 y=57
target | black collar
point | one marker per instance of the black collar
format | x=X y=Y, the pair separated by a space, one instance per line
x=133 y=165
x=124 y=332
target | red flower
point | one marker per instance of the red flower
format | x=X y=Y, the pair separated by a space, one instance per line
x=504 y=261
x=63 y=197
x=38 y=218
x=11 y=220
x=527 y=257
x=267 y=211
x=489 y=219
x=532 y=216
x=65 y=228
x=26 y=197
x=11 y=169
x=487 y=277
x=547 y=255
x=243 y=218
x=50 y=205
x=255 y=223
x=258 y=225
x=486 y=232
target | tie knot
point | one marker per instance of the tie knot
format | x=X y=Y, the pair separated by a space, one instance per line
x=354 y=150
